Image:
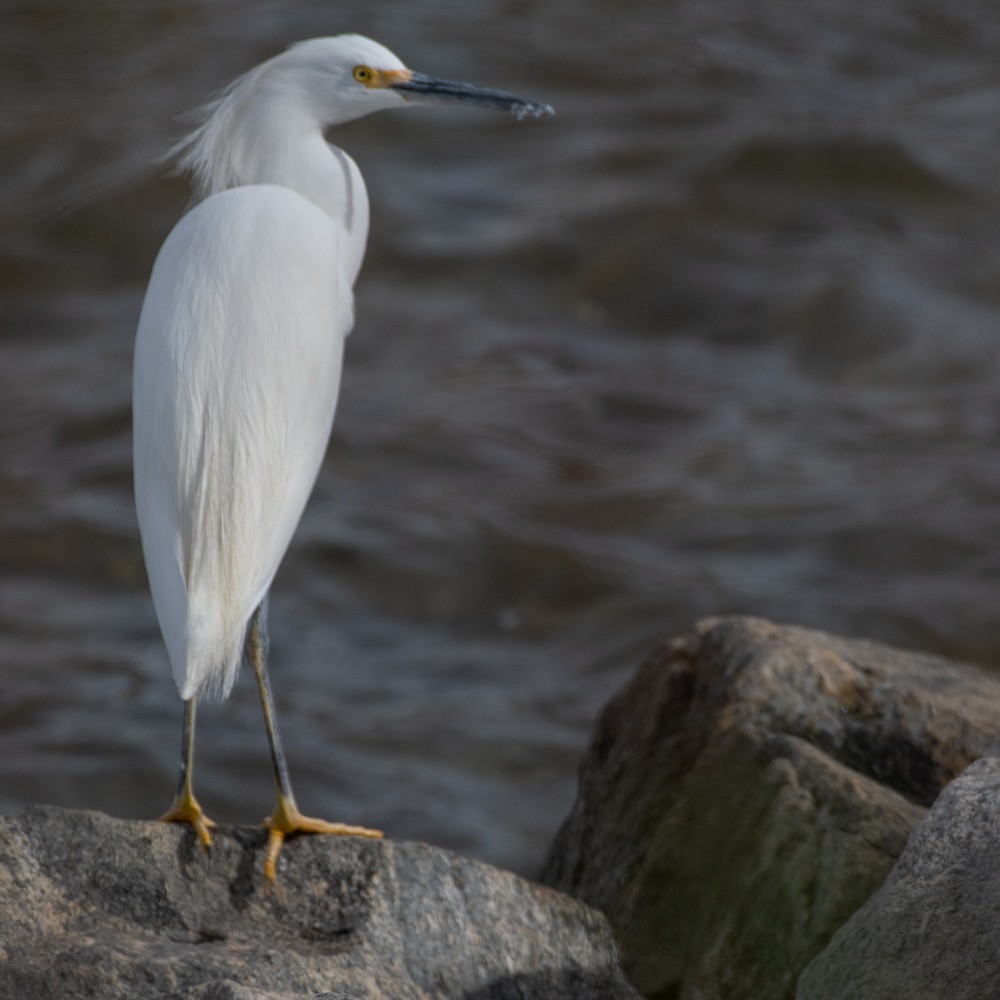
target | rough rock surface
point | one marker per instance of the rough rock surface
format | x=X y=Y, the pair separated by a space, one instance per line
x=96 y=907
x=931 y=930
x=747 y=791
x=226 y=989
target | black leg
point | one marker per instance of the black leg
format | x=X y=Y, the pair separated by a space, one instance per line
x=185 y=807
x=257 y=646
x=286 y=818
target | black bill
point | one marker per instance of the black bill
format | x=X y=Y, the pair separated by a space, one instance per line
x=431 y=89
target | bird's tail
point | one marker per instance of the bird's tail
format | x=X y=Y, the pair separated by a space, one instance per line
x=213 y=652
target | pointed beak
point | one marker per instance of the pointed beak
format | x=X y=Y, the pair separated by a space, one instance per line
x=430 y=90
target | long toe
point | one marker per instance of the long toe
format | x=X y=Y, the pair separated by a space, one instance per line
x=307 y=824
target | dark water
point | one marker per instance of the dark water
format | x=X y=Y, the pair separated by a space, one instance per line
x=721 y=337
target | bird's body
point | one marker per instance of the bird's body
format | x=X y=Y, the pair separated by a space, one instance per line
x=237 y=423
x=238 y=359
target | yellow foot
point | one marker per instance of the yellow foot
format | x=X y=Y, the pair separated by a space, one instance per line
x=287 y=820
x=185 y=809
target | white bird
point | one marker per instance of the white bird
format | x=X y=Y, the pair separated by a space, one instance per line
x=238 y=359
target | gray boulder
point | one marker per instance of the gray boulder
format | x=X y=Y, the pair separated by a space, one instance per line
x=931 y=930
x=227 y=989
x=92 y=906
x=748 y=790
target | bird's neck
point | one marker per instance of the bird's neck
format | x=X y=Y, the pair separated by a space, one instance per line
x=273 y=142
x=301 y=159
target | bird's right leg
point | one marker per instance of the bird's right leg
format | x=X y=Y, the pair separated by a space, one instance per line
x=286 y=818
x=185 y=807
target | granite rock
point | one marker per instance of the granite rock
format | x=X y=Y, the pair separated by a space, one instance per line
x=748 y=790
x=931 y=930
x=92 y=906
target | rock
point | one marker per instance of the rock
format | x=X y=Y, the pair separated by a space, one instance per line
x=97 y=907
x=931 y=930
x=747 y=791
x=226 y=989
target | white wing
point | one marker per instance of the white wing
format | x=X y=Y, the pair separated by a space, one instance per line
x=237 y=368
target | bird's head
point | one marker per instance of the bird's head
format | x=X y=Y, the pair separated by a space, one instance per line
x=349 y=76
x=244 y=136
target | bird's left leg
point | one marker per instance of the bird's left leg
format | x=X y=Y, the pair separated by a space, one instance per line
x=286 y=818
x=185 y=807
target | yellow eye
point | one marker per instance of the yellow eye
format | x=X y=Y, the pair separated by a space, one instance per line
x=363 y=74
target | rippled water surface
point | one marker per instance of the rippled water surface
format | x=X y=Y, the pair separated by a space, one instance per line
x=721 y=337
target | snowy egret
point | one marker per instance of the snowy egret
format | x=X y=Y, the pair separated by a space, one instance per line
x=238 y=358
